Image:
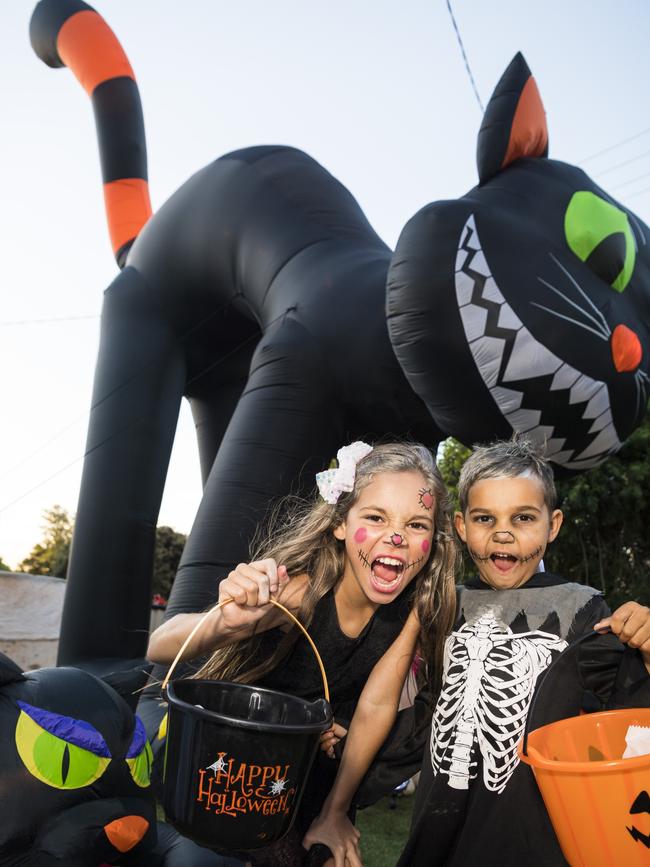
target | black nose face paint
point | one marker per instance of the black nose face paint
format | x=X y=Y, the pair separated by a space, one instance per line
x=641 y=805
x=501 y=533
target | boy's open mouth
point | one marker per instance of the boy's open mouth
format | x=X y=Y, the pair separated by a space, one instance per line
x=386 y=573
x=504 y=562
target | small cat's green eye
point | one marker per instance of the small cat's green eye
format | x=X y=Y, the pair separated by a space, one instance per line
x=599 y=233
x=140 y=766
x=54 y=761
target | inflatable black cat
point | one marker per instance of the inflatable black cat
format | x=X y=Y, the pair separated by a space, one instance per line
x=257 y=291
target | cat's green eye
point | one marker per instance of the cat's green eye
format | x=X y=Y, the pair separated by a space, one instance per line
x=140 y=766
x=599 y=233
x=54 y=761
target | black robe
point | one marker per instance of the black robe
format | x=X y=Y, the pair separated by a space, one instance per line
x=476 y=803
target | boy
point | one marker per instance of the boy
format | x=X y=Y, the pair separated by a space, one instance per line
x=476 y=803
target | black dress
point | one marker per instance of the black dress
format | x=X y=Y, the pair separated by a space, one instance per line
x=348 y=663
x=476 y=803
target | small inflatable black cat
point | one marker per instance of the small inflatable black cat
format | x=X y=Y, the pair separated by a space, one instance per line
x=74 y=772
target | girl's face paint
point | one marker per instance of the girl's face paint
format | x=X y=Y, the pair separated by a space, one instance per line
x=425 y=496
x=376 y=568
x=425 y=546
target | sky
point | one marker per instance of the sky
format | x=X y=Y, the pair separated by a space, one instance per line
x=376 y=90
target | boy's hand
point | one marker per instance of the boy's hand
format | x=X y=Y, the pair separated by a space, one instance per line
x=330 y=738
x=631 y=623
x=334 y=830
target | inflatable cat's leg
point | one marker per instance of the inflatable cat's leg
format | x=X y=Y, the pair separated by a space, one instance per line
x=139 y=382
x=287 y=425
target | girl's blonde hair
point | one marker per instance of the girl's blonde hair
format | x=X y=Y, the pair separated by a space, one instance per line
x=300 y=536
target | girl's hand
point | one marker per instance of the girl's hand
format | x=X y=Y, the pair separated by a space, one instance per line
x=330 y=738
x=631 y=623
x=250 y=585
x=334 y=830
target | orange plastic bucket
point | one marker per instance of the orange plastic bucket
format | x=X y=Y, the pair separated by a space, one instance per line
x=598 y=802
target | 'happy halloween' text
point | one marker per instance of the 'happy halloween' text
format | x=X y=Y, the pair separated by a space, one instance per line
x=231 y=788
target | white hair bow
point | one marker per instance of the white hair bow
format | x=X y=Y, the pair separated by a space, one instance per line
x=332 y=483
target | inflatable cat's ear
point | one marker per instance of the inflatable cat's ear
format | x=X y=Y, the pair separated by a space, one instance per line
x=514 y=124
x=9 y=671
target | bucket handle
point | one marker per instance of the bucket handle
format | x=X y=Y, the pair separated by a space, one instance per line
x=277 y=605
x=542 y=680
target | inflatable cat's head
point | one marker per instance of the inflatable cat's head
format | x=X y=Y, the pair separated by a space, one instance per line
x=525 y=305
x=74 y=770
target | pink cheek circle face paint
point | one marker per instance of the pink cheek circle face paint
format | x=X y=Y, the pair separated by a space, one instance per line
x=361 y=535
x=425 y=546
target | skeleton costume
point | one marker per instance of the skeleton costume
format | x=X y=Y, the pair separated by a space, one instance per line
x=476 y=803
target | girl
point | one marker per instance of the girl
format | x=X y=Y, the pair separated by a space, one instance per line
x=369 y=567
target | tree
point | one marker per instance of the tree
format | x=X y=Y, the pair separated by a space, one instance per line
x=51 y=556
x=604 y=540
x=3 y=566
x=169 y=547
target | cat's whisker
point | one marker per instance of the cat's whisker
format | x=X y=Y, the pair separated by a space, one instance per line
x=639 y=398
x=575 y=306
x=582 y=292
x=569 y=319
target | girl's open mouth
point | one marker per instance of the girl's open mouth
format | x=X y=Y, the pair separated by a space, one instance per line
x=386 y=574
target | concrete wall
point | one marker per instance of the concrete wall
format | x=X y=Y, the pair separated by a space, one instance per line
x=30 y=618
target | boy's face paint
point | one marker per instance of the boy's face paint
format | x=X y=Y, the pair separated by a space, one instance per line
x=377 y=569
x=506 y=527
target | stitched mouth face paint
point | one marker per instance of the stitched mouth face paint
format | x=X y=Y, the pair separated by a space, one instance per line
x=484 y=559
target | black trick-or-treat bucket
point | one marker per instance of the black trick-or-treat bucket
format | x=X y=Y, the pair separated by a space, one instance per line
x=237 y=758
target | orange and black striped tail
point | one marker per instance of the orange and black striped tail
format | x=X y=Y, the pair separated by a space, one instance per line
x=71 y=33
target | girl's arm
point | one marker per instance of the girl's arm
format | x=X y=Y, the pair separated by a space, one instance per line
x=250 y=586
x=372 y=721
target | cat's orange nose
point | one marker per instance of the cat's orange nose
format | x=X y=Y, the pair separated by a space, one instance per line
x=125 y=833
x=626 y=349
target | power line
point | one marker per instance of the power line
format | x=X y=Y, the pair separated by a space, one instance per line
x=638 y=193
x=620 y=165
x=132 y=423
x=46 y=321
x=631 y=181
x=614 y=146
x=462 y=51
x=127 y=381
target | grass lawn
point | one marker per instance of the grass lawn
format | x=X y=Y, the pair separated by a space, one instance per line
x=384 y=831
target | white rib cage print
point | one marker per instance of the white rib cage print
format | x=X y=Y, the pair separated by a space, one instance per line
x=489 y=677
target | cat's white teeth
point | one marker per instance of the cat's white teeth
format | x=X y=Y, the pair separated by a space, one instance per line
x=528 y=359
x=584 y=389
x=564 y=377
